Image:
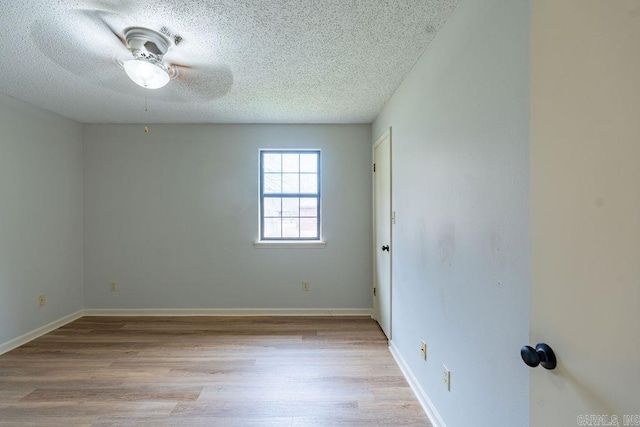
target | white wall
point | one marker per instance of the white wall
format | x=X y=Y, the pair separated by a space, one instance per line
x=172 y=216
x=585 y=200
x=40 y=217
x=460 y=191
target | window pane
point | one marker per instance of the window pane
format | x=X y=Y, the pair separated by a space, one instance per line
x=290 y=173
x=309 y=162
x=272 y=162
x=308 y=207
x=290 y=163
x=291 y=228
x=272 y=183
x=290 y=183
x=309 y=227
x=290 y=207
x=272 y=206
x=309 y=183
x=272 y=228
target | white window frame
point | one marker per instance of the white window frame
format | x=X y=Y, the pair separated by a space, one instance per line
x=289 y=242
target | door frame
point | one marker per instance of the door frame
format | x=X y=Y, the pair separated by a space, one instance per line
x=376 y=307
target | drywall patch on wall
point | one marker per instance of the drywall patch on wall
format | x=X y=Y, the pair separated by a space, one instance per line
x=447 y=244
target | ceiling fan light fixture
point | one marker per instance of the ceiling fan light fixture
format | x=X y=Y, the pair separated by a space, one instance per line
x=147 y=74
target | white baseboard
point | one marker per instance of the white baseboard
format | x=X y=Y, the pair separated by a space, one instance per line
x=424 y=400
x=30 y=336
x=228 y=312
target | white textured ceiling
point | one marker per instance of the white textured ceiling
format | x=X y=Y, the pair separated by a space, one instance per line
x=253 y=61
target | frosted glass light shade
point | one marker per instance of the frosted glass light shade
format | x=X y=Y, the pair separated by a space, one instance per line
x=146 y=74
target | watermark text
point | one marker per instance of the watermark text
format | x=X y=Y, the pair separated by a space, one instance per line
x=609 y=420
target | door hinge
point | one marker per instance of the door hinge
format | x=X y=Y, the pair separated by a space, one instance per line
x=375 y=292
x=374 y=167
x=393 y=217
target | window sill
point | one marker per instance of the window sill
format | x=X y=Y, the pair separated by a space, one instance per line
x=272 y=244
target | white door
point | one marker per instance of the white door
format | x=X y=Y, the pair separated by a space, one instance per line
x=585 y=211
x=382 y=231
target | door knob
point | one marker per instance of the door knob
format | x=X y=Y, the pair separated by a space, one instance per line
x=385 y=248
x=541 y=355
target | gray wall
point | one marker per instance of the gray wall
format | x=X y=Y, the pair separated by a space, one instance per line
x=460 y=191
x=40 y=217
x=172 y=216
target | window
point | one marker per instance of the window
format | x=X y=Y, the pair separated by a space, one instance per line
x=289 y=195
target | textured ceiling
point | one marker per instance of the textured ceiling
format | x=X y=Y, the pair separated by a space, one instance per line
x=252 y=61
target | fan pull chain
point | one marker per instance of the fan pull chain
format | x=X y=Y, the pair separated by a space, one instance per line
x=146 y=116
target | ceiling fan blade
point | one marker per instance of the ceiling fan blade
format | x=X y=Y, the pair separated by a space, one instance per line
x=109 y=30
x=103 y=19
x=86 y=48
x=123 y=7
x=203 y=82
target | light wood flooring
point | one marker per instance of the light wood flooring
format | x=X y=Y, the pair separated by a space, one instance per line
x=207 y=371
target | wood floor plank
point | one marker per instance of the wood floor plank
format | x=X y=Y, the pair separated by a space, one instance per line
x=102 y=394
x=207 y=371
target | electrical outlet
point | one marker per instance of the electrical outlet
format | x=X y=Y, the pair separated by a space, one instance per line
x=423 y=350
x=114 y=286
x=305 y=286
x=446 y=378
x=42 y=300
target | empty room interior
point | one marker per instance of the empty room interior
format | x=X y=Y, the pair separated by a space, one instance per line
x=320 y=213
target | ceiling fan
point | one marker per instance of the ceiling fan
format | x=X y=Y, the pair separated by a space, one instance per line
x=146 y=68
x=87 y=42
